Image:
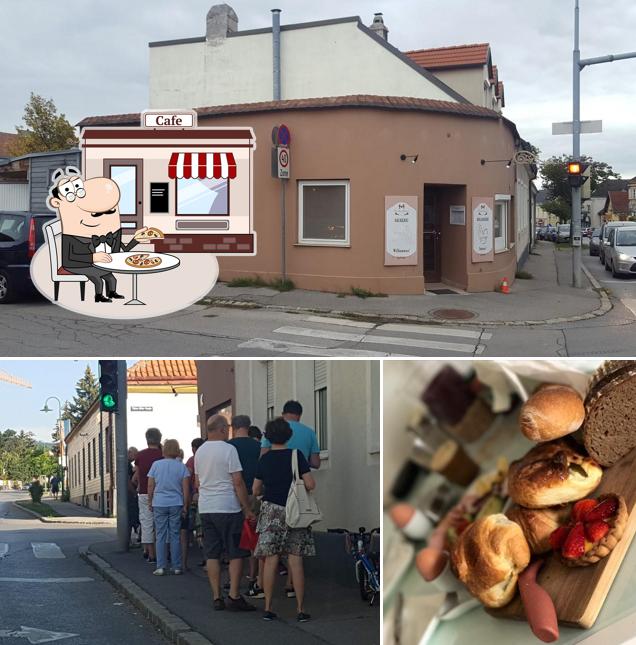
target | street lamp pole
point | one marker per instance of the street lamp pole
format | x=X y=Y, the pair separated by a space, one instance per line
x=60 y=430
x=579 y=64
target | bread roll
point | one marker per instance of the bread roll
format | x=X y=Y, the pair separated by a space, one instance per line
x=552 y=412
x=488 y=558
x=538 y=523
x=552 y=473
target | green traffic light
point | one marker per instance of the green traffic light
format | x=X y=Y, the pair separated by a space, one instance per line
x=108 y=401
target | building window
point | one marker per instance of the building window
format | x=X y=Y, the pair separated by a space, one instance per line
x=94 y=460
x=126 y=178
x=88 y=473
x=320 y=404
x=323 y=212
x=502 y=208
x=203 y=197
x=109 y=448
x=270 y=389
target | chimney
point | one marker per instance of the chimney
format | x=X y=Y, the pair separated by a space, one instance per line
x=221 y=21
x=379 y=27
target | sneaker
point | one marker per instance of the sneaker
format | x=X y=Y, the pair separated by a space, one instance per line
x=302 y=617
x=269 y=615
x=151 y=560
x=159 y=572
x=145 y=555
x=282 y=570
x=289 y=592
x=239 y=604
x=178 y=572
x=219 y=604
x=255 y=591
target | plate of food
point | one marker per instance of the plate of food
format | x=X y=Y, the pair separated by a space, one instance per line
x=143 y=261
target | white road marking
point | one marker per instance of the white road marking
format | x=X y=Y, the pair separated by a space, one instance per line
x=48 y=550
x=269 y=345
x=47 y=580
x=4 y=549
x=422 y=344
x=35 y=635
x=319 y=333
x=345 y=322
x=430 y=330
x=630 y=304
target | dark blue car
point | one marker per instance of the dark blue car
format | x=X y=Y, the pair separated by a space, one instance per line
x=21 y=235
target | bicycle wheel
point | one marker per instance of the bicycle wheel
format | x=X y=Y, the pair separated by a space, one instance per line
x=363 y=581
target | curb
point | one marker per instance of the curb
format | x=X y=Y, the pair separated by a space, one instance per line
x=605 y=305
x=65 y=520
x=170 y=625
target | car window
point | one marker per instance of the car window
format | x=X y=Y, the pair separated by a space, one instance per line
x=12 y=227
x=564 y=227
x=626 y=238
x=611 y=236
x=596 y=232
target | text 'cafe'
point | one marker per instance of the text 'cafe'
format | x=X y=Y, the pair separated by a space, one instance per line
x=382 y=193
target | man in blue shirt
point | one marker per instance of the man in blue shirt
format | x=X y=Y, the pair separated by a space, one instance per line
x=303 y=437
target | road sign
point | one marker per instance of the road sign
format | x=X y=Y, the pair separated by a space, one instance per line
x=283 y=135
x=587 y=127
x=275 y=135
x=283 y=162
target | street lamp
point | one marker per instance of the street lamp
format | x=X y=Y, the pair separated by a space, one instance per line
x=60 y=432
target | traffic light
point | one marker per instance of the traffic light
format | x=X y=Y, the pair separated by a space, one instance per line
x=576 y=173
x=108 y=394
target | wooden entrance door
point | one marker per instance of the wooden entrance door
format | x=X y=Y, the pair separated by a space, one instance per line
x=432 y=237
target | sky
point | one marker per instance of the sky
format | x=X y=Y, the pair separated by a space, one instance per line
x=20 y=407
x=92 y=57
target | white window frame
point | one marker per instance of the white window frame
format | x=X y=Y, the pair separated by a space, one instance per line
x=322 y=386
x=302 y=240
x=503 y=245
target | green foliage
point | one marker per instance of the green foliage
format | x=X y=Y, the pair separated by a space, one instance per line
x=39 y=508
x=523 y=275
x=36 y=491
x=364 y=293
x=554 y=175
x=87 y=391
x=45 y=129
x=277 y=283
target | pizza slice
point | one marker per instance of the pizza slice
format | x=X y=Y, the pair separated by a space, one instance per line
x=142 y=261
x=149 y=235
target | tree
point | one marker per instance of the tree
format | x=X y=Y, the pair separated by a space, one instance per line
x=45 y=129
x=554 y=175
x=16 y=453
x=87 y=391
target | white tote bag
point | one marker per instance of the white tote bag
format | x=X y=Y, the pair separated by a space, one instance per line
x=301 y=509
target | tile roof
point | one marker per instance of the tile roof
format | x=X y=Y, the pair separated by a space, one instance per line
x=619 y=201
x=456 y=56
x=6 y=138
x=163 y=373
x=609 y=184
x=356 y=100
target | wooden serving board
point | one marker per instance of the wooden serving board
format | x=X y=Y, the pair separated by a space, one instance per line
x=578 y=593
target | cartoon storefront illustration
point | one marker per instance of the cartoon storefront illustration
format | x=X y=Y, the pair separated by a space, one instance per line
x=193 y=184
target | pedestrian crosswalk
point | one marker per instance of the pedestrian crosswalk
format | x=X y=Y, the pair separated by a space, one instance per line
x=325 y=336
x=47 y=550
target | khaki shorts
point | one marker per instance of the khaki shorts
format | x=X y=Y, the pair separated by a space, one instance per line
x=147 y=521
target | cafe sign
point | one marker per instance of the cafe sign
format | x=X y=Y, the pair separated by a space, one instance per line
x=400 y=230
x=169 y=119
x=483 y=229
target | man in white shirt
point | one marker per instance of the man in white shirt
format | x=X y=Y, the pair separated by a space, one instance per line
x=222 y=494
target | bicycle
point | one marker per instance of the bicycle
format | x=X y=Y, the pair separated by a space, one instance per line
x=367 y=564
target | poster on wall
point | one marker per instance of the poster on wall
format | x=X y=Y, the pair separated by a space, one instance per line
x=400 y=246
x=483 y=229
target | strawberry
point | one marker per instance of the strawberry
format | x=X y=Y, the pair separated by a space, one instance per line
x=581 y=508
x=574 y=545
x=557 y=537
x=595 y=531
x=602 y=511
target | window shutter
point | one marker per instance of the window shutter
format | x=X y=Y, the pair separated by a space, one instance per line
x=270 y=384
x=320 y=374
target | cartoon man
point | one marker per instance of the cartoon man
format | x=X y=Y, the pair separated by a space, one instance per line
x=91 y=228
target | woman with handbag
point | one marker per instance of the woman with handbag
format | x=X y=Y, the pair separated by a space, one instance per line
x=278 y=473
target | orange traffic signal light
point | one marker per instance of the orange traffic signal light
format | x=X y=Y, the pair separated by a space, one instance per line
x=576 y=173
x=574 y=168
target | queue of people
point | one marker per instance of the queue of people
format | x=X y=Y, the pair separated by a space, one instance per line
x=225 y=484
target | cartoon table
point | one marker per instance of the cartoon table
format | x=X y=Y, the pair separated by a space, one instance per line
x=118 y=265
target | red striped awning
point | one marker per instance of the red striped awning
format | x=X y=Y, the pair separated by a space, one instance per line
x=202 y=165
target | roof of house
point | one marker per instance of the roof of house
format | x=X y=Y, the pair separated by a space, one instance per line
x=609 y=184
x=619 y=201
x=357 y=100
x=163 y=372
x=6 y=139
x=456 y=56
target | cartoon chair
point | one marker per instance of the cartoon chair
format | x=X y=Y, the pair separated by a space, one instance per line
x=59 y=274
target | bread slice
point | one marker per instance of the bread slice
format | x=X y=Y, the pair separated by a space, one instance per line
x=608 y=432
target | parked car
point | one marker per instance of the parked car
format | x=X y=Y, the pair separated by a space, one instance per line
x=595 y=239
x=21 y=235
x=620 y=252
x=605 y=231
x=563 y=233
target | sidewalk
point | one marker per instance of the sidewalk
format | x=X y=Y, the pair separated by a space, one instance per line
x=545 y=299
x=339 y=616
x=70 y=513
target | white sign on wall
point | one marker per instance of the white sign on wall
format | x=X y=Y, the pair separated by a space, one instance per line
x=458 y=215
x=169 y=119
x=400 y=230
x=483 y=229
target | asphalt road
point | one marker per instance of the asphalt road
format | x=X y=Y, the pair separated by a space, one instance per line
x=44 y=585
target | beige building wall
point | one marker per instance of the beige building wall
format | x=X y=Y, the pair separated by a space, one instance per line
x=348 y=479
x=324 y=60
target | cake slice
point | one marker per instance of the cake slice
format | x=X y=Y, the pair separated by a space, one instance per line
x=609 y=432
